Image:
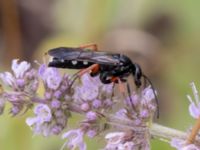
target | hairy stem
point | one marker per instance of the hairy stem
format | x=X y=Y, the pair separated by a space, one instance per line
x=156 y=130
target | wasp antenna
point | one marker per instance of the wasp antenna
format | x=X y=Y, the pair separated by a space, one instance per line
x=156 y=98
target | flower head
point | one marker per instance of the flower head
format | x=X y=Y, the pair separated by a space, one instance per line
x=43 y=117
x=23 y=83
x=50 y=76
x=19 y=69
x=75 y=139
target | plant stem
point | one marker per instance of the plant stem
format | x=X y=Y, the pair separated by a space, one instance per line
x=194 y=132
x=156 y=130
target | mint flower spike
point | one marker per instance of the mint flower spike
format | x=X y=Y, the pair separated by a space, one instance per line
x=23 y=83
x=51 y=117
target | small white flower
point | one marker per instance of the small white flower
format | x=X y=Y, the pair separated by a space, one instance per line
x=51 y=77
x=20 y=68
x=75 y=140
x=43 y=114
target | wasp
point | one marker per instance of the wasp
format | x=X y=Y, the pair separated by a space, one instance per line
x=110 y=67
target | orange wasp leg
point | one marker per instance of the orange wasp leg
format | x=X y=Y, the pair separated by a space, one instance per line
x=122 y=89
x=90 y=46
x=83 y=71
x=121 y=85
x=94 y=67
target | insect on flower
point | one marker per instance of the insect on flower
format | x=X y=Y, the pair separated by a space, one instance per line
x=110 y=67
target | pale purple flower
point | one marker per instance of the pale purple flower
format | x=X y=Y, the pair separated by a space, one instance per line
x=56 y=129
x=85 y=107
x=15 y=109
x=91 y=116
x=194 y=107
x=144 y=113
x=55 y=103
x=50 y=76
x=42 y=123
x=97 y=103
x=23 y=85
x=74 y=140
x=86 y=92
x=19 y=69
x=43 y=114
x=91 y=133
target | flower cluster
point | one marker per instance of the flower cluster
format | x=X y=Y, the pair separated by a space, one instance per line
x=91 y=98
x=127 y=121
x=52 y=115
x=23 y=84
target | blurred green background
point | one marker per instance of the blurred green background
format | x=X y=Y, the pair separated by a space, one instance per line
x=162 y=36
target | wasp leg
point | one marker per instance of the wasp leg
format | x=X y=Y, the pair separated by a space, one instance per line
x=129 y=94
x=113 y=88
x=90 y=46
x=95 y=71
x=103 y=78
x=94 y=66
x=81 y=72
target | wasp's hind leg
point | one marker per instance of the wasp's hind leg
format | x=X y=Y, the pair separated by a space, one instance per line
x=106 y=78
x=90 y=46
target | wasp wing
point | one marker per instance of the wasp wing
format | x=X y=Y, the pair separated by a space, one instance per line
x=66 y=53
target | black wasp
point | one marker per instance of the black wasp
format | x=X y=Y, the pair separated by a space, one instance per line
x=110 y=67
